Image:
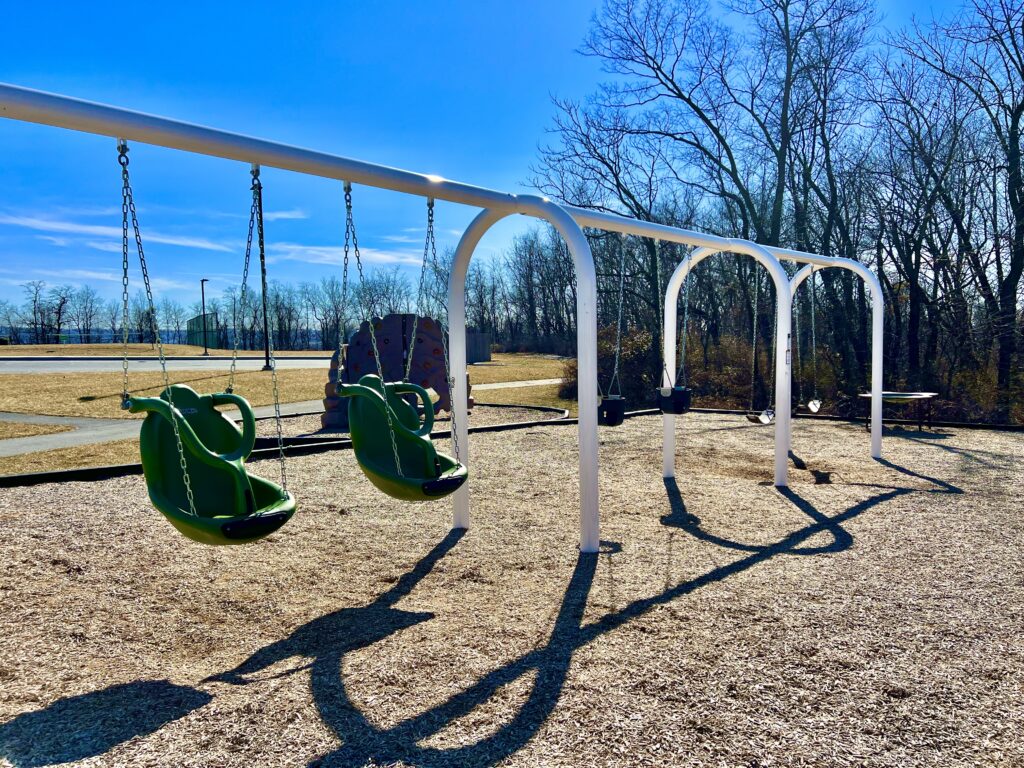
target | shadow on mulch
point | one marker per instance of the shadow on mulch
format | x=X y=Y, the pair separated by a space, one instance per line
x=94 y=723
x=97 y=722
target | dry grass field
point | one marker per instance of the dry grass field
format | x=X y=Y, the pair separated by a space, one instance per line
x=12 y=429
x=546 y=395
x=868 y=616
x=99 y=394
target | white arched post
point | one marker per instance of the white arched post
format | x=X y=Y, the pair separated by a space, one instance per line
x=586 y=353
x=783 y=416
x=671 y=366
x=877 y=337
x=457 y=349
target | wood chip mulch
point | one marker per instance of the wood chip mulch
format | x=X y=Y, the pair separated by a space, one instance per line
x=870 y=615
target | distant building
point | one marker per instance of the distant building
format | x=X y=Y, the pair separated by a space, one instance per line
x=194 y=331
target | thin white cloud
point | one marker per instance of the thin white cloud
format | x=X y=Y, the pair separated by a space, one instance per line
x=400 y=239
x=107 y=246
x=66 y=210
x=335 y=254
x=80 y=274
x=60 y=242
x=95 y=230
x=161 y=284
x=294 y=213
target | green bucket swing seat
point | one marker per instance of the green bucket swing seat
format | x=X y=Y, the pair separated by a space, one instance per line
x=426 y=474
x=231 y=507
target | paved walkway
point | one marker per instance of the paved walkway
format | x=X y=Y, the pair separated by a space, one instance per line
x=88 y=431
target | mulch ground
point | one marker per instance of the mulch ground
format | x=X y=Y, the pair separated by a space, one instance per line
x=870 y=615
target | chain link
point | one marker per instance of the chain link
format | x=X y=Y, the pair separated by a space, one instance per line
x=681 y=374
x=253 y=210
x=814 y=338
x=775 y=351
x=128 y=211
x=796 y=373
x=419 y=291
x=753 y=341
x=122 y=159
x=436 y=269
x=351 y=237
x=614 y=382
x=257 y=197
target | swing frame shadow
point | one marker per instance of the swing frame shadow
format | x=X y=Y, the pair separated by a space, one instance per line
x=321 y=645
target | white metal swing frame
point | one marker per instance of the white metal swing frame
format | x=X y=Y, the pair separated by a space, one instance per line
x=785 y=288
x=33 y=106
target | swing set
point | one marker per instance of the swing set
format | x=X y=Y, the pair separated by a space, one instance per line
x=193 y=457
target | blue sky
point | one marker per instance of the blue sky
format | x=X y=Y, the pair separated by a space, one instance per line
x=453 y=87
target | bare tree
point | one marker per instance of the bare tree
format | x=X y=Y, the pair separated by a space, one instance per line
x=36 y=310
x=982 y=51
x=84 y=311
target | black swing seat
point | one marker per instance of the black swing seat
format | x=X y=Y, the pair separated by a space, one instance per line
x=674 y=400
x=611 y=411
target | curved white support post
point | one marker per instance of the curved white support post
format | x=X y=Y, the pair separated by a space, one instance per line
x=877 y=336
x=586 y=342
x=783 y=416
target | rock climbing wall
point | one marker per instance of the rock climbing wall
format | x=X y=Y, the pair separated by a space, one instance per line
x=394 y=341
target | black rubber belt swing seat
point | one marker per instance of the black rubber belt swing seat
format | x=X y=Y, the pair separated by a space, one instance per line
x=611 y=410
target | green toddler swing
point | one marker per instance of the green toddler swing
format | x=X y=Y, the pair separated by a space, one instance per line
x=391 y=443
x=193 y=456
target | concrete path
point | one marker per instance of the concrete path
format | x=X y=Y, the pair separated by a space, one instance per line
x=88 y=431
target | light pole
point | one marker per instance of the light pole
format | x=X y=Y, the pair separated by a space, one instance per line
x=202 y=292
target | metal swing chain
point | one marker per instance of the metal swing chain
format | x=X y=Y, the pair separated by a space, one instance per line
x=436 y=268
x=682 y=372
x=419 y=291
x=350 y=235
x=344 y=287
x=257 y=194
x=128 y=211
x=614 y=382
x=796 y=373
x=814 y=338
x=122 y=150
x=775 y=326
x=661 y=322
x=753 y=343
x=245 y=275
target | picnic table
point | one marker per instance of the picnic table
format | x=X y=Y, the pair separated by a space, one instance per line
x=923 y=400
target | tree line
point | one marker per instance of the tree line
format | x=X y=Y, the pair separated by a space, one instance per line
x=793 y=123
x=304 y=316
x=802 y=124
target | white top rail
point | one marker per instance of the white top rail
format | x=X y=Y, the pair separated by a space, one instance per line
x=32 y=106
